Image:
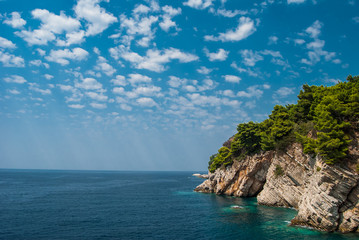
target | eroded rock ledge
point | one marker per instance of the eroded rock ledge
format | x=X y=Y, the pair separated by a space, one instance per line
x=326 y=197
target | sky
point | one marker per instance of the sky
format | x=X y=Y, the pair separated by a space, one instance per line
x=157 y=85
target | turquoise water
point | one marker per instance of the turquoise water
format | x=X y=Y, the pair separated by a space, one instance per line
x=133 y=205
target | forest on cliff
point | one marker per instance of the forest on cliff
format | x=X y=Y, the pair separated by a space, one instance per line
x=323 y=121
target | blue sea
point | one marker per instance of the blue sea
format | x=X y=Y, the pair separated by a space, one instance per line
x=39 y=204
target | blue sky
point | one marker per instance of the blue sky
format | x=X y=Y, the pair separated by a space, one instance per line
x=157 y=85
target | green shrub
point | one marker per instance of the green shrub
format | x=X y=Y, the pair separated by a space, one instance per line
x=278 y=171
x=318 y=168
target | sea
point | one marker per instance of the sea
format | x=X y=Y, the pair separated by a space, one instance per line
x=51 y=204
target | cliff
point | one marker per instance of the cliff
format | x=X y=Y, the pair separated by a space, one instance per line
x=326 y=196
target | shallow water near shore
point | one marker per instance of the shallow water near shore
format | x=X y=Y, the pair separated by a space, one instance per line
x=40 y=204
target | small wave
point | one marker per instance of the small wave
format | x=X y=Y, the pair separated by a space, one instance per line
x=236 y=207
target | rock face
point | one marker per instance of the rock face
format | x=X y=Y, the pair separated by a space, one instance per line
x=241 y=179
x=326 y=197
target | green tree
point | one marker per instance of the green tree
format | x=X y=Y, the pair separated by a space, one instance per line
x=223 y=158
x=247 y=140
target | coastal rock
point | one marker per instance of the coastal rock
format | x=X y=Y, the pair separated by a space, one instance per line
x=326 y=192
x=205 y=176
x=242 y=179
x=285 y=190
x=326 y=197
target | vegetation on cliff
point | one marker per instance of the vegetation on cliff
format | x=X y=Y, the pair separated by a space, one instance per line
x=322 y=120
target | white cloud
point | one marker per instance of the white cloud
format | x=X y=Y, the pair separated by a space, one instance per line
x=228 y=93
x=98 y=105
x=146 y=102
x=238 y=68
x=135 y=78
x=138 y=26
x=76 y=106
x=62 y=56
x=284 y=92
x=250 y=58
x=220 y=55
x=72 y=38
x=154 y=59
x=14 y=91
x=207 y=127
x=198 y=4
x=10 y=60
x=203 y=100
x=36 y=37
x=103 y=66
x=119 y=81
x=295 y=1
x=41 y=52
x=272 y=40
x=331 y=80
x=204 y=70
x=175 y=82
x=356 y=19
x=52 y=24
x=244 y=29
x=140 y=90
x=315 y=47
x=15 y=79
x=314 y=29
x=35 y=87
x=155 y=7
x=169 y=13
x=97 y=18
x=231 y=78
x=167 y=23
x=96 y=96
x=15 y=21
x=141 y=9
x=36 y=62
x=253 y=91
x=4 y=43
x=89 y=84
x=125 y=107
x=75 y=97
x=147 y=90
x=56 y=23
x=48 y=76
x=97 y=51
x=119 y=90
x=190 y=88
x=192 y=85
x=66 y=88
x=275 y=54
x=207 y=84
x=228 y=13
x=299 y=41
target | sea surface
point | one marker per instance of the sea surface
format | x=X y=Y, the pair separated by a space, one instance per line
x=41 y=204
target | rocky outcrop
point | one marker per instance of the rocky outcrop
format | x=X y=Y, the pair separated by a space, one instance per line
x=326 y=197
x=242 y=179
x=205 y=176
